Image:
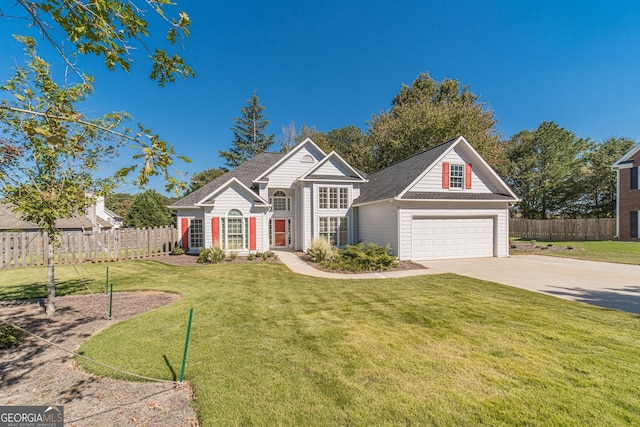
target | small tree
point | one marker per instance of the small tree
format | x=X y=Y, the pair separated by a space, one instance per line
x=249 y=134
x=56 y=152
x=206 y=176
x=149 y=209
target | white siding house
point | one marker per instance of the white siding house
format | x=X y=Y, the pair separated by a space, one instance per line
x=445 y=202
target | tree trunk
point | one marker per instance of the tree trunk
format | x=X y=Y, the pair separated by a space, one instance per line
x=50 y=308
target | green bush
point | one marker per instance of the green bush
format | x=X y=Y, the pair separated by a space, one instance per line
x=211 y=256
x=320 y=250
x=177 y=250
x=362 y=257
x=10 y=337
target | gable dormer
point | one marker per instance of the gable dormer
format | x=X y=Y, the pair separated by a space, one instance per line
x=333 y=167
x=304 y=157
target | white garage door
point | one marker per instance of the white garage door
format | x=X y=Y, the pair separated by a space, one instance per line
x=447 y=238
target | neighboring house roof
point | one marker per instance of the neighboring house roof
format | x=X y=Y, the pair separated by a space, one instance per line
x=626 y=161
x=9 y=220
x=245 y=173
x=112 y=214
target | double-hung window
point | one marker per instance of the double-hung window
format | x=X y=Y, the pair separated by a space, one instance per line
x=195 y=233
x=333 y=198
x=235 y=231
x=334 y=230
x=456 y=176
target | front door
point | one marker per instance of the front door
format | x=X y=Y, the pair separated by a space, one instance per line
x=280 y=232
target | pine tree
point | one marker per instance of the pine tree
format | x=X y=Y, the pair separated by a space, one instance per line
x=249 y=132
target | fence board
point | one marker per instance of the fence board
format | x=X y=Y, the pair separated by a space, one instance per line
x=25 y=249
x=563 y=229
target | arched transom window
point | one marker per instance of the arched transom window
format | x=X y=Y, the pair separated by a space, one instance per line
x=235 y=231
x=280 y=201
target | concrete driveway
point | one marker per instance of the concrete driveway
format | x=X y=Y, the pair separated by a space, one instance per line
x=599 y=283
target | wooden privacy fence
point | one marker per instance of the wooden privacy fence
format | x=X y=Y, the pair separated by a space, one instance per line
x=563 y=229
x=24 y=249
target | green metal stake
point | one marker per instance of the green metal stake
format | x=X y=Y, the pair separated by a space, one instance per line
x=110 y=301
x=106 y=282
x=186 y=346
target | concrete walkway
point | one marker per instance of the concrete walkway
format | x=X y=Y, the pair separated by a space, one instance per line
x=295 y=264
x=603 y=284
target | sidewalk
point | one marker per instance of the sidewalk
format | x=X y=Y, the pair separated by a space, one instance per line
x=295 y=264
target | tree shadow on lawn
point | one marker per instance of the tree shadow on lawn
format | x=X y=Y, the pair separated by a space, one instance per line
x=19 y=362
x=39 y=290
x=624 y=299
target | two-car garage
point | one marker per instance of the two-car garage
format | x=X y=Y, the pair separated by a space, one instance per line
x=452 y=237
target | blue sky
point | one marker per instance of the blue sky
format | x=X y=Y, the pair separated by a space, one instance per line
x=334 y=63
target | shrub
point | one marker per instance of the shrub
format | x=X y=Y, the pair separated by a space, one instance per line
x=270 y=254
x=233 y=256
x=320 y=250
x=361 y=257
x=10 y=337
x=211 y=256
x=177 y=250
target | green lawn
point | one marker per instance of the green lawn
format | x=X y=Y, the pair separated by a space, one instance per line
x=609 y=251
x=273 y=348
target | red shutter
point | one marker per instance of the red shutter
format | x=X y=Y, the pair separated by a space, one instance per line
x=215 y=232
x=467 y=177
x=445 y=175
x=185 y=233
x=252 y=233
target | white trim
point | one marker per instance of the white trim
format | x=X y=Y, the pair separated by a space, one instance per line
x=289 y=154
x=326 y=160
x=224 y=187
x=479 y=158
x=620 y=164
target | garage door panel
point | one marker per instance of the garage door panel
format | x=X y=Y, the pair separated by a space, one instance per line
x=442 y=238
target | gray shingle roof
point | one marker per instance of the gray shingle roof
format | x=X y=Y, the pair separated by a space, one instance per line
x=392 y=180
x=419 y=195
x=9 y=220
x=245 y=173
x=334 y=177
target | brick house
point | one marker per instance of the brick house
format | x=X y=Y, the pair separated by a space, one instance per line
x=628 y=195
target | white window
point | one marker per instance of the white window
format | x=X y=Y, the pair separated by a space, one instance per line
x=456 y=176
x=333 y=198
x=195 y=233
x=334 y=229
x=280 y=201
x=235 y=231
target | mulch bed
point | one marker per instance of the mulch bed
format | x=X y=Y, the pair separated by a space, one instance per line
x=36 y=373
x=532 y=247
x=402 y=265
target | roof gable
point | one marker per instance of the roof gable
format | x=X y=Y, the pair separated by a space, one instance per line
x=246 y=173
x=626 y=160
x=237 y=186
x=333 y=167
x=298 y=158
x=399 y=179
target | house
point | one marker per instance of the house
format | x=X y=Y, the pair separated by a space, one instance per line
x=95 y=219
x=446 y=202
x=627 y=195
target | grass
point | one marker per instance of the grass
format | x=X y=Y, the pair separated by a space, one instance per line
x=273 y=348
x=607 y=250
